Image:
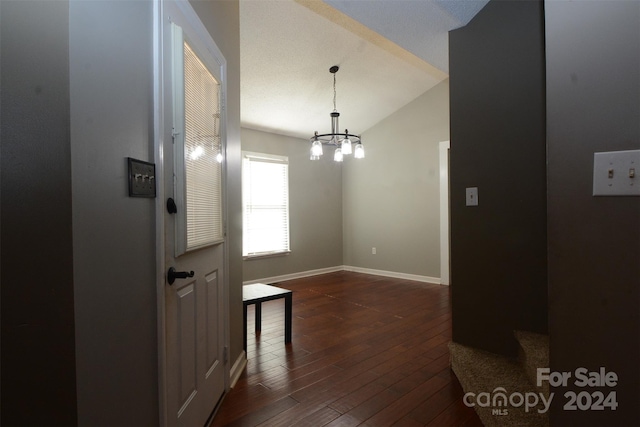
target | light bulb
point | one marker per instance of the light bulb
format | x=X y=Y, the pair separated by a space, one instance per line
x=358 y=151
x=346 y=146
x=197 y=152
x=316 y=148
x=337 y=156
x=314 y=157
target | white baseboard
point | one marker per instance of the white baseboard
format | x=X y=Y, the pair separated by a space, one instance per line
x=237 y=368
x=396 y=275
x=292 y=276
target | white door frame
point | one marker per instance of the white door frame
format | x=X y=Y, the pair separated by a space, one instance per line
x=445 y=265
x=158 y=149
x=160 y=206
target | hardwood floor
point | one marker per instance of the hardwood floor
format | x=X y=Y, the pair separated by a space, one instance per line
x=366 y=350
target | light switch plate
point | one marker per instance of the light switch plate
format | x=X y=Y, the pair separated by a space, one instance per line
x=472 y=196
x=616 y=173
x=142 y=178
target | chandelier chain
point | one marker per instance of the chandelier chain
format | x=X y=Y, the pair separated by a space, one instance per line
x=334 y=92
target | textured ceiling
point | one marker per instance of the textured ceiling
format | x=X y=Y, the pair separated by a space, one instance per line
x=389 y=53
x=419 y=26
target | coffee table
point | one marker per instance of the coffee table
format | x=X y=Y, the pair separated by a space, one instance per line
x=258 y=293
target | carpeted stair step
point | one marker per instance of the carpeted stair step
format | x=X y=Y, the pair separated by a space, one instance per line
x=489 y=376
x=533 y=354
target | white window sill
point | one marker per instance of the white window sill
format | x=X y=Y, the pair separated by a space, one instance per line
x=265 y=255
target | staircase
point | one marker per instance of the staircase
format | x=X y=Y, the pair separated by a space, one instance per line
x=503 y=390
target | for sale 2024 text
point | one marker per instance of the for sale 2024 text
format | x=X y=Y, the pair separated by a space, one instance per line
x=586 y=400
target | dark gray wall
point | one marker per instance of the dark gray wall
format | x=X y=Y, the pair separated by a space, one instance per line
x=593 y=104
x=38 y=363
x=497 y=102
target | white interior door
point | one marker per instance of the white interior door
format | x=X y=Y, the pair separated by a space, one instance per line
x=193 y=157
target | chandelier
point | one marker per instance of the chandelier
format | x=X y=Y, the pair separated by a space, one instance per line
x=342 y=141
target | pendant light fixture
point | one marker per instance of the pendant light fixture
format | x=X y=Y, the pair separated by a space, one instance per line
x=342 y=141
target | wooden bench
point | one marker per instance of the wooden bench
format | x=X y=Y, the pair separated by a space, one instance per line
x=259 y=293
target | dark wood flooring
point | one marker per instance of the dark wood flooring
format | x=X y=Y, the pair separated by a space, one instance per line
x=366 y=350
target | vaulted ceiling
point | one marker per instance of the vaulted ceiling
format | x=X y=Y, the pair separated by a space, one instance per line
x=389 y=53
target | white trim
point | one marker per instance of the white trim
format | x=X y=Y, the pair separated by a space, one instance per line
x=292 y=276
x=396 y=275
x=238 y=368
x=265 y=157
x=445 y=266
x=158 y=144
x=309 y=273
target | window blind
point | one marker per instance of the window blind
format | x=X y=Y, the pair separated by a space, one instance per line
x=202 y=142
x=266 y=204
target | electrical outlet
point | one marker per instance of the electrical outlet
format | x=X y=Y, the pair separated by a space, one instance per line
x=472 y=196
x=373 y=251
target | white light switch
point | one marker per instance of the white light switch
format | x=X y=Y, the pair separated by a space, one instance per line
x=472 y=196
x=615 y=173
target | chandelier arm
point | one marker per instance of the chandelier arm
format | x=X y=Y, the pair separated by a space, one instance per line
x=356 y=138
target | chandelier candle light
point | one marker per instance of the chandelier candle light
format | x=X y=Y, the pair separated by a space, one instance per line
x=342 y=141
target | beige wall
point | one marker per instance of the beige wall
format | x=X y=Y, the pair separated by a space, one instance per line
x=113 y=234
x=315 y=208
x=391 y=199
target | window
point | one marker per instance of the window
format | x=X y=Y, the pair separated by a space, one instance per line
x=265 y=196
x=198 y=148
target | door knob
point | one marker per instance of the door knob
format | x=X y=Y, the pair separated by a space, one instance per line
x=171 y=206
x=172 y=275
